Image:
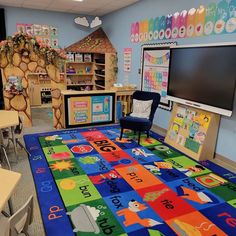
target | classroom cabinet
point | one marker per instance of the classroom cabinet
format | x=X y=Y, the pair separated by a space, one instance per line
x=90 y=71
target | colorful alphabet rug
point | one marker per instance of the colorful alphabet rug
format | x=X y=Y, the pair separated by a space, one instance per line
x=89 y=182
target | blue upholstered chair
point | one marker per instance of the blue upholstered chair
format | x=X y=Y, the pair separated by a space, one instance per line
x=138 y=124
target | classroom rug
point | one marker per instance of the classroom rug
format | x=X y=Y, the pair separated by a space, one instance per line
x=88 y=182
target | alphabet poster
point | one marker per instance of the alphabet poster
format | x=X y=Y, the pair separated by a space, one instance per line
x=214 y=18
x=127 y=59
x=155 y=70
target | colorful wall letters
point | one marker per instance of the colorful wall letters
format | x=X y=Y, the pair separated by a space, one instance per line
x=215 y=18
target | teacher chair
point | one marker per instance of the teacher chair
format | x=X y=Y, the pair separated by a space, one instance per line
x=144 y=107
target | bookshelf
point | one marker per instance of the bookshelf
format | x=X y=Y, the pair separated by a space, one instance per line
x=90 y=71
x=193 y=131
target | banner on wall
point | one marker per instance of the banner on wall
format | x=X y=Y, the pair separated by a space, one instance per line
x=127 y=59
x=215 y=18
x=45 y=34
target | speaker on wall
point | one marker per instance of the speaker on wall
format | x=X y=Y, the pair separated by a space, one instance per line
x=2 y=37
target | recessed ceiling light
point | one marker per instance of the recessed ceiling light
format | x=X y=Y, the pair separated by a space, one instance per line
x=78 y=0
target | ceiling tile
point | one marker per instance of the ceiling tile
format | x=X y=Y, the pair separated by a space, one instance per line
x=87 y=7
x=12 y=2
x=42 y=2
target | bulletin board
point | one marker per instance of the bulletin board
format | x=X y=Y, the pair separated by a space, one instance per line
x=155 y=70
x=193 y=131
x=79 y=110
x=89 y=110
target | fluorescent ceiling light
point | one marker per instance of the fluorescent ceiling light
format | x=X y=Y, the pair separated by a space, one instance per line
x=78 y=0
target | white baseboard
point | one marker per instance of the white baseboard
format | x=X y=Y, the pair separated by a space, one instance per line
x=159 y=130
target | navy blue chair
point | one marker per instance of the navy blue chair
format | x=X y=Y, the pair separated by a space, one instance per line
x=141 y=124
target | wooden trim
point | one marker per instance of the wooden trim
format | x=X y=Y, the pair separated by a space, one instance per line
x=224 y=162
x=159 y=130
x=208 y=148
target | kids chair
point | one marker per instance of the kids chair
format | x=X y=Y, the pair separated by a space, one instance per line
x=144 y=108
x=19 y=222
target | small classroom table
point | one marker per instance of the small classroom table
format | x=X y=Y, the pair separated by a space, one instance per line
x=8 y=182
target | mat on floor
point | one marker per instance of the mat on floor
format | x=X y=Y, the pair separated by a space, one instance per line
x=90 y=183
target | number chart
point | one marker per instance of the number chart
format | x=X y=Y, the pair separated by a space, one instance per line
x=155 y=69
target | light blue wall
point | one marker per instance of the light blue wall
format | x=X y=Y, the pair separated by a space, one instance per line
x=69 y=32
x=117 y=26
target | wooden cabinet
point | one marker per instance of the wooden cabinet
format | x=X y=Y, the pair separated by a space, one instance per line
x=100 y=71
x=97 y=72
x=125 y=97
x=34 y=92
x=79 y=75
x=35 y=96
x=39 y=89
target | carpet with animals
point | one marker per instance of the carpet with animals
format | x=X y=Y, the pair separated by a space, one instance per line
x=88 y=182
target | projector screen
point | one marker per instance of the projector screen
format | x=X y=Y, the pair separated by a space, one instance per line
x=204 y=77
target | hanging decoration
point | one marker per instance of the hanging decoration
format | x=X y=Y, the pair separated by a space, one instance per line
x=127 y=59
x=84 y=22
x=157 y=60
x=95 y=22
x=25 y=44
x=215 y=18
x=47 y=34
x=155 y=70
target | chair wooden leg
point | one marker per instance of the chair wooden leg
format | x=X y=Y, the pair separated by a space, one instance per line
x=139 y=134
x=121 y=133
